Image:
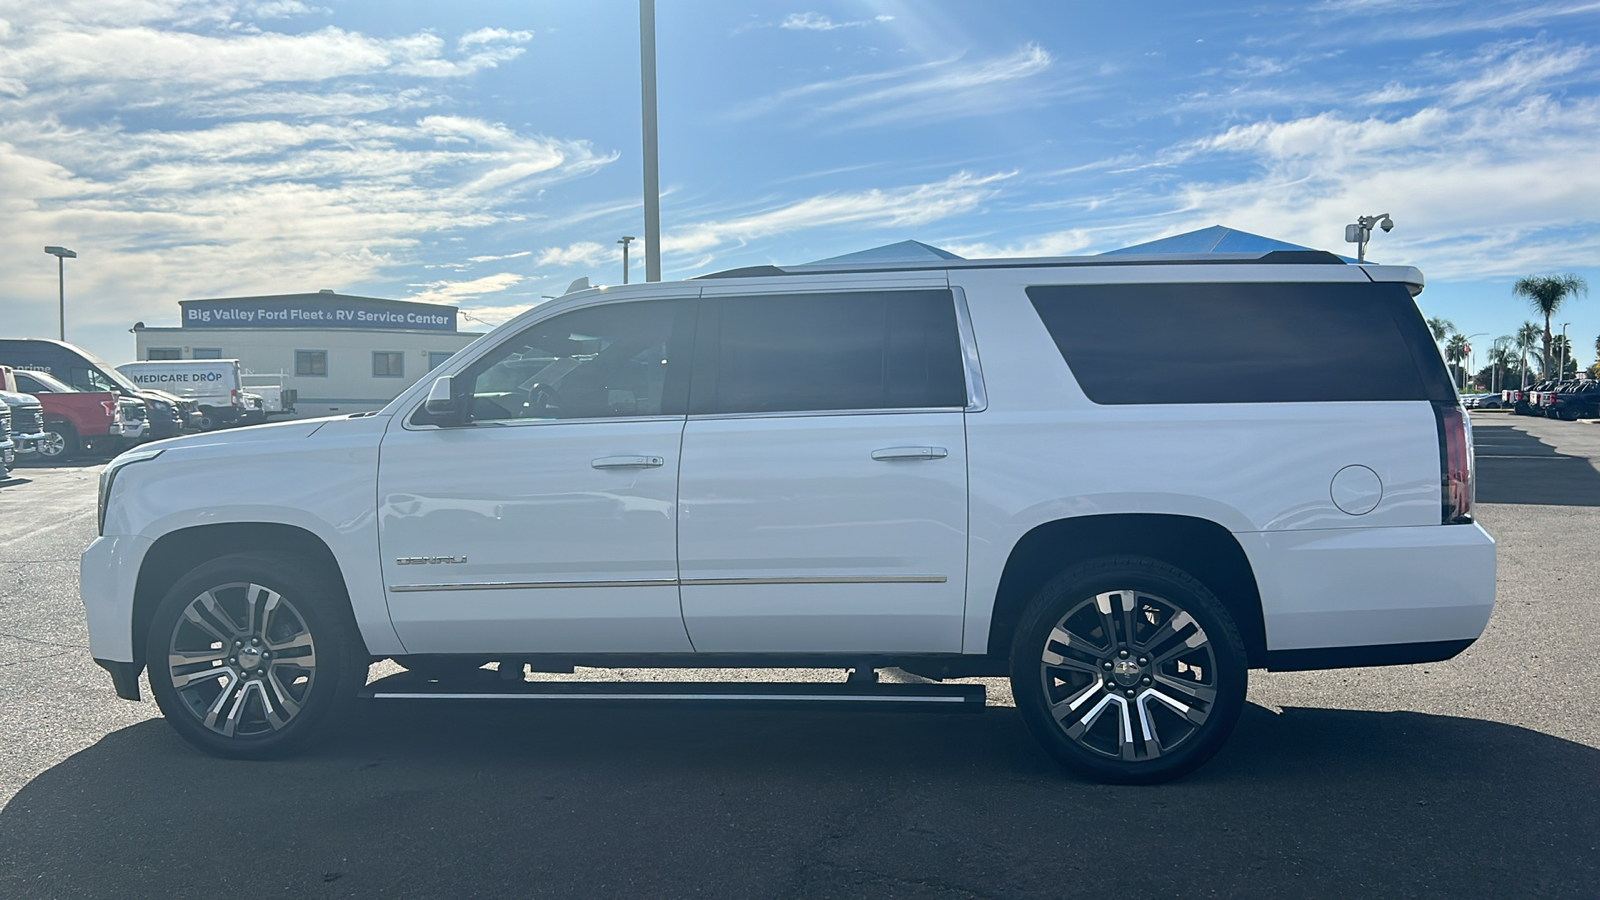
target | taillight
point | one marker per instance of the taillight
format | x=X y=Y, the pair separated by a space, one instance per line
x=1455 y=461
x=113 y=411
x=234 y=396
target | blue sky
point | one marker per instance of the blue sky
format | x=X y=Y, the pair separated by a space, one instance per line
x=487 y=153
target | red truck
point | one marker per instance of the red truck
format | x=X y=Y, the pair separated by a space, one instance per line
x=78 y=421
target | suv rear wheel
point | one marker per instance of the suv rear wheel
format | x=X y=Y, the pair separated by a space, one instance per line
x=254 y=655
x=1128 y=670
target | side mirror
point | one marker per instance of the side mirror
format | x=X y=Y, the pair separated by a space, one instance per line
x=442 y=402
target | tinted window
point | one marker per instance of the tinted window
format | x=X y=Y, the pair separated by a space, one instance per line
x=164 y=353
x=311 y=362
x=388 y=364
x=794 y=352
x=1243 y=343
x=208 y=353
x=600 y=362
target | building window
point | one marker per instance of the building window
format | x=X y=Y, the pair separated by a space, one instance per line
x=311 y=362
x=208 y=353
x=437 y=359
x=388 y=364
x=164 y=353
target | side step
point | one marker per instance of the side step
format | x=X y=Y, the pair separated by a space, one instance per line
x=877 y=696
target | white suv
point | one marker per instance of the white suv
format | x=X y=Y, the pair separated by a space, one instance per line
x=1121 y=481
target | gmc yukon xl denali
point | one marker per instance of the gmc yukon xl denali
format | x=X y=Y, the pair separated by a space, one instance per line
x=1123 y=482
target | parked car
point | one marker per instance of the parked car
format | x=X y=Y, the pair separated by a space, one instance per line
x=213 y=385
x=8 y=449
x=276 y=399
x=1524 y=405
x=80 y=421
x=1575 y=400
x=1088 y=474
x=84 y=371
x=188 y=411
x=27 y=417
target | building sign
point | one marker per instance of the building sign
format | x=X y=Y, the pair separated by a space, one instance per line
x=317 y=311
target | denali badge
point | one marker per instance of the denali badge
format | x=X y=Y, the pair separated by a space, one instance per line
x=428 y=560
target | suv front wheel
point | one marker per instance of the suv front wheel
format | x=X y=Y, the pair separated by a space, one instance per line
x=1128 y=670
x=255 y=655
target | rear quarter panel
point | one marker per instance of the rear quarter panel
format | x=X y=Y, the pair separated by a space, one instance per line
x=1042 y=451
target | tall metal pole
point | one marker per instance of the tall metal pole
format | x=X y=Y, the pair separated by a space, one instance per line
x=1561 y=373
x=61 y=297
x=652 y=174
x=625 y=241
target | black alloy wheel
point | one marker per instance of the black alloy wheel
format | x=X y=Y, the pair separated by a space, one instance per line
x=1128 y=670
x=255 y=655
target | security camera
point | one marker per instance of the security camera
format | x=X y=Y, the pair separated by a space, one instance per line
x=1387 y=224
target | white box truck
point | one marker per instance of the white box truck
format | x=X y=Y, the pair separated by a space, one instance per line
x=214 y=384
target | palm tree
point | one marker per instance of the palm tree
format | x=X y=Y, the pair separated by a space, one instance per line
x=1545 y=293
x=1440 y=327
x=1500 y=358
x=1527 y=337
x=1456 y=350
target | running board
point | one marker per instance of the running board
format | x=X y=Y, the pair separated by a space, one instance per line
x=940 y=697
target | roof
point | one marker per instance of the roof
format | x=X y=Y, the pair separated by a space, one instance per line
x=1217 y=244
x=1216 y=239
x=904 y=251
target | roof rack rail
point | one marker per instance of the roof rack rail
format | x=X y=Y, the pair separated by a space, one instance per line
x=1272 y=257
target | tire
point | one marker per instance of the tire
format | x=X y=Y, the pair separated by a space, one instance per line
x=231 y=616
x=1151 y=679
x=208 y=420
x=59 y=444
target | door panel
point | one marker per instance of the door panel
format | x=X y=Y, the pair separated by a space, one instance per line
x=542 y=517
x=584 y=556
x=792 y=537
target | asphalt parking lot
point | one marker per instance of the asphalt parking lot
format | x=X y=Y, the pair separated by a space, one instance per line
x=1477 y=777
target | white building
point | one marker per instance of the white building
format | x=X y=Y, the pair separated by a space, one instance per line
x=342 y=354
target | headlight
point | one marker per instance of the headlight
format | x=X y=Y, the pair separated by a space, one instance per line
x=108 y=476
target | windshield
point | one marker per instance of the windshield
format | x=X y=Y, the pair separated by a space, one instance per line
x=47 y=383
x=99 y=375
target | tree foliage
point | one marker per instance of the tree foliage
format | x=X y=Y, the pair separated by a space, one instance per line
x=1546 y=293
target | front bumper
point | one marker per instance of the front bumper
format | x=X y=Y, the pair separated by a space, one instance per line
x=108 y=572
x=129 y=430
x=28 y=443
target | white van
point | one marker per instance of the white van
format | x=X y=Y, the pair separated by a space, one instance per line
x=214 y=384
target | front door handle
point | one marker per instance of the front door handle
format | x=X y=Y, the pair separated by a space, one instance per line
x=627 y=462
x=890 y=453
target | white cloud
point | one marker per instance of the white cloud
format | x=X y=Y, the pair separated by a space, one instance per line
x=457 y=291
x=1056 y=243
x=940 y=89
x=810 y=21
x=582 y=254
x=493 y=36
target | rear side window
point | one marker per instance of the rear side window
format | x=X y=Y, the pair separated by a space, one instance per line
x=835 y=351
x=1243 y=343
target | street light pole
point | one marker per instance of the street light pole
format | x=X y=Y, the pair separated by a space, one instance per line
x=1472 y=356
x=1561 y=373
x=626 y=240
x=61 y=254
x=652 y=173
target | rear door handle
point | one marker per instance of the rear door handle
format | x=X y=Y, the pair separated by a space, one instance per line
x=627 y=462
x=890 y=453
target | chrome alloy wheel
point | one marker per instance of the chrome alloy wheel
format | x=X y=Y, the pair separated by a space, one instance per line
x=52 y=445
x=1129 y=675
x=242 y=660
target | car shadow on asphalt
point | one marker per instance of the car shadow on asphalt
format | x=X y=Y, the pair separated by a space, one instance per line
x=1513 y=466
x=447 y=801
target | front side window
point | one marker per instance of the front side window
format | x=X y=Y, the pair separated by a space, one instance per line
x=311 y=362
x=388 y=364
x=835 y=351
x=602 y=362
x=87 y=379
